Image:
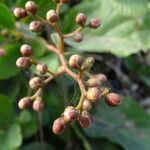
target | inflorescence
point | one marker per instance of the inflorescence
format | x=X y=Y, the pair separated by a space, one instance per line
x=92 y=89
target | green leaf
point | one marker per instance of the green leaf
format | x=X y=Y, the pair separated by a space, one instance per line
x=127 y=125
x=28 y=124
x=6 y=111
x=7 y=19
x=8 y=62
x=11 y=139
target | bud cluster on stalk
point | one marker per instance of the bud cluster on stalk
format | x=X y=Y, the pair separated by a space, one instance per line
x=92 y=86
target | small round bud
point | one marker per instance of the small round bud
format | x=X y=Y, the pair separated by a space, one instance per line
x=78 y=37
x=26 y=50
x=85 y=119
x=93 y=94
x=87 y=105
x=101 y=77
x=20 y=12
x=70 y=114
x=81 y=19
x=31 y=7
x=75 y=61
x=38 y=105
x=35 y=83
x=24 y=103
x=93 y=82
x=59 y=126
x=113 y=99
x=35 y=26
x=94 y=23
x=42 y=68
x=23 y=62
x=64 y=1
x=2 y=52
x=52 y=16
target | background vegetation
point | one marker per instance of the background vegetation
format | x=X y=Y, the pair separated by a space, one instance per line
x=121 y=48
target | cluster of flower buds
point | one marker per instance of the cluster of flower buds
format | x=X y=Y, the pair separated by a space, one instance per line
x=92 y=89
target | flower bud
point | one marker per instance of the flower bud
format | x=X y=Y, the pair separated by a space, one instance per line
x=81 y=19
x=26 y=50
x=75 y=61
x=35 y=83
x=59 y=126
x=93 y=94
x=24 y=103
x=78 y=37
x=101 y=77
x=31 y=7
x=64 y=1
x=70 y=114
x=23 y=62
x=42 y=68
x=52 y=16
x=35 y=26
x=38 y=105
x=87 y=105
x=2 y=52
x=20 y=12
x=113 y=99
x=94 y=23
x=93 y=82
x=85 y=119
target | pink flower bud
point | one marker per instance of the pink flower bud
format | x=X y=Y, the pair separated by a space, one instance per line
x=31 y=7
x=101 y=77
x=20 y=12
x=59 y=126
x=85 y=119
x=75 y=61
x=87 y=105
x=93 y=94
x=42 y=68
x=2 y=52
x=78 y=37
x=113 y=99
x=35 y=26
x=94 y=23
x=35 y=83
x=38 y=105
x=26 y=50
x=52 y=16
x=93 y=82
x=81 y=19
x=24 y=103
x=70 y=114
x=23 y=62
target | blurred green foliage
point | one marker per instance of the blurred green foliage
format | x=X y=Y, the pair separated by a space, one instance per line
x=125 y=31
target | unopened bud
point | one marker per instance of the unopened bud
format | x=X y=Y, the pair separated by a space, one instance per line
x=70 y=114
x=101 y=77
x=75 y=61
x=31 y=7
x=59 y=126
x=42 y=68
x=35 y=26
x=35 y=83
x=93 y=82
x=24 y=103
x=93 y=94
x=81 y=19
x=26 y=50
x=87 y=105
x=38 y=105
x=2 y=52
x=113 y=99
x=52 y=16
x=85 y=119
x=78 y=37
x=23 y=62
x=20 y=12
x=94 y=23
